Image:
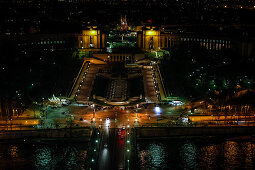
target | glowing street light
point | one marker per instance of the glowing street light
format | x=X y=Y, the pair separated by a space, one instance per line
x=151 y=32
x=93 y=32
x=107 y=122
x=157 y=110
x=94 y=110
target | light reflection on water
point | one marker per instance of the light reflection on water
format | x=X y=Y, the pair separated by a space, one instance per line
x=43 y=156
x=14 y=151
x=196 y=154
x=188 y=154
x=154 y=156
x=209 y=154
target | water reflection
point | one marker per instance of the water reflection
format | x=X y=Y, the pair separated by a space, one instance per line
x=188 y=154
x=208 y=156
x=144 y=157
x=157 y=152
x=68 y=157
x=43 y=156
x=196 y=154
x=231 y=155
x=248 y=149
x=14 y=151
x=154 y=156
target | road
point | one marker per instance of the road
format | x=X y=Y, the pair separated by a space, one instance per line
x=112 y=149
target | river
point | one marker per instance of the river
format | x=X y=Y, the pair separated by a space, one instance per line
x=197 y=153
x=171 y=153
x=43 y=156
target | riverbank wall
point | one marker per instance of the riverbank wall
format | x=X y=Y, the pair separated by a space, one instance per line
x=47 y=133
x=156 y=132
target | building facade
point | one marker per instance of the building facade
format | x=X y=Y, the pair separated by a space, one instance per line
x=91 y=39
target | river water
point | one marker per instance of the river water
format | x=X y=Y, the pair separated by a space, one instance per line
x=173 y=153
x=197 y=153
x=47 y=156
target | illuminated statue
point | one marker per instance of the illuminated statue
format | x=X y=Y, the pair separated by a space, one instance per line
x=151 y=43
x=91 y=44
x=123 y=24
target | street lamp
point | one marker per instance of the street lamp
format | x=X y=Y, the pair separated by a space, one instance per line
x=101 y=122
x=107 y=122
x=157 y=110
x=94 y=110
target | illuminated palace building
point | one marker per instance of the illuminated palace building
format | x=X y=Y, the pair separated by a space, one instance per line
x=93 y=40
x=155 y=38
x=127 y=50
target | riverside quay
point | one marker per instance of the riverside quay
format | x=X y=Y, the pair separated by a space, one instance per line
x=127 y=84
